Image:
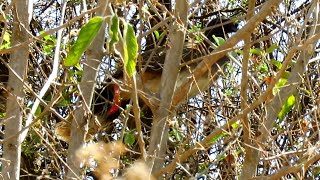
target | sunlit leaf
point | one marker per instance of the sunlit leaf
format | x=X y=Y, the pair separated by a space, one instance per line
x=239 y=51
x=279 y=84
x=228 y=92
x=6 y=41
x=114 y=34
x=87 y=33
x=287 y=107
x=156 y=33
x=235 y=125
x=263 y=68
x=216 y=138
x=130 y=50
x=276 y=63
x=256 y=51
x=38 y=110
x=271 y=48
x=6 y=36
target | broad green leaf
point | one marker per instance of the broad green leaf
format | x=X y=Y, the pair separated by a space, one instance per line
x=87 y=33
x=286 y=108
x=256 y=51
x=130 y=50
x=271 y=48
x=129 y=138
x=114 y=34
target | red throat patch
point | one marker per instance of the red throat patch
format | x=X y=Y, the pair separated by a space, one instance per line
x=116 y=102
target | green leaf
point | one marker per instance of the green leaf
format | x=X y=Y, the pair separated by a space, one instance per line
x=256 y=51
x=239 y=51
x=218 y=40
x=271 y=48
x=130 y=50
x=6 y=37
x=129 y=138
x=263 y=68
x=2 y=114
x=114 y=31
x=280 y=83
x=235 y=125
x=286 y=108
x=177 y=134
x=217 y=137
x=202 y=167
x=316 y=171
x=228 y=92
x=87 y=33
x=156 y=33
x=6 y=42
x=276 y=63
x=286 y=75
x=38 y=110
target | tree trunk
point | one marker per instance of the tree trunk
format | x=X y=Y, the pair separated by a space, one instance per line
x=14 y=112
x=159 y=131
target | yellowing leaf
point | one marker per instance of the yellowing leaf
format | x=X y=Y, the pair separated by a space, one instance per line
x=130 y=50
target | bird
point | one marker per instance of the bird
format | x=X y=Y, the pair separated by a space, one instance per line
x=151 y=72
x=112 y=97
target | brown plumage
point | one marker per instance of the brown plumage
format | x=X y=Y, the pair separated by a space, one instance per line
x=108 y=100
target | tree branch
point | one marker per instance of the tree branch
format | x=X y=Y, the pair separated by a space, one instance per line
x=159 y=131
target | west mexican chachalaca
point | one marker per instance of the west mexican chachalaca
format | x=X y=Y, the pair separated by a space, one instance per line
x=110 y=99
